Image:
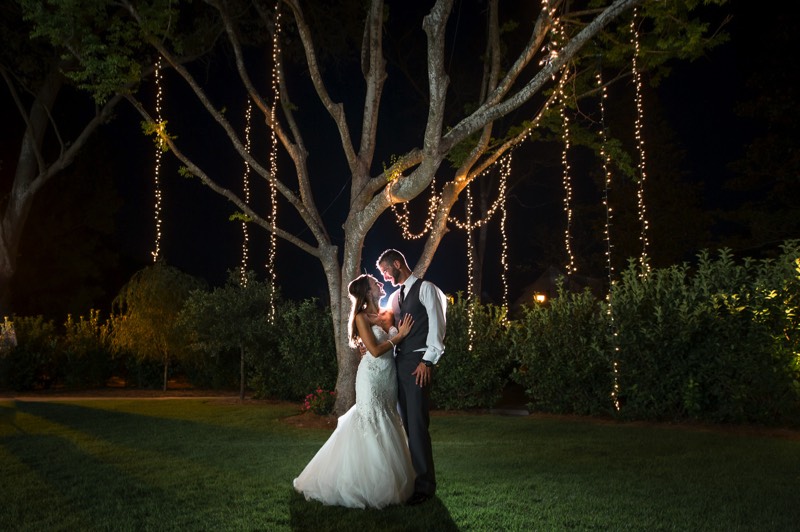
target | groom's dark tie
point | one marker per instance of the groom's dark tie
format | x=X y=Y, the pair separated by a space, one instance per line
x=402 y=294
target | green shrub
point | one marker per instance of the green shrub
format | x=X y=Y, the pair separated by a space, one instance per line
x=474 y=368
x=35 y=362
x=226 y=329
x=717 y=345
x=563 y=352
x=87 y=351
x=304 y=356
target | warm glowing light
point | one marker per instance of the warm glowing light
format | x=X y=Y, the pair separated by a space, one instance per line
x=540 y=298
x=637 y=79
x=246 y=191
x=606 y=156
x=156 y=253
x=567 y=181
x=470 y=275
x=505 y=172
x=404 y=218
x=272 y=219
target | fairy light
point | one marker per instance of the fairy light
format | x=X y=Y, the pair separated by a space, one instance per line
x=246 y=190
x=156 y=253
x=606 y=157
x=505 y=172
x=637 y=79
x=470 y=275
x=403 y=215
x=272 y=218
x=498 y=205
x=567 y=181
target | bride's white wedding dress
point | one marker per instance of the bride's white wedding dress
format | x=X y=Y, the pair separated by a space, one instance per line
x=365 y=462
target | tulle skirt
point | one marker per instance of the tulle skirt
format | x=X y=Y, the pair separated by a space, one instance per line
x=364 y=463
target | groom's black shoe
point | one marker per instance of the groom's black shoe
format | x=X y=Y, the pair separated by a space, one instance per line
x=417 y=498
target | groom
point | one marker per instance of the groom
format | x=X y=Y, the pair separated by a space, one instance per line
x=415 y=357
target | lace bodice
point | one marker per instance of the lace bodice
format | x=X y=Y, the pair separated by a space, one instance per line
x=376 y=380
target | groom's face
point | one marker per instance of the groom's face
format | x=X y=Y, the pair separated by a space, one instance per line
x=390 y=273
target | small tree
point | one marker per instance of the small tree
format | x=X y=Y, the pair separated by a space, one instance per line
x=146 y=312
x=231 y=318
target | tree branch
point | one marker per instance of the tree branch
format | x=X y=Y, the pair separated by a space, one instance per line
x=307 y=216
x=222 y=191
x=336 y=110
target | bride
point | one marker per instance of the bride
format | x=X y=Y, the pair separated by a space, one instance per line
x=366 y=462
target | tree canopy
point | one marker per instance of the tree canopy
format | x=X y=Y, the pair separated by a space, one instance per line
x=520 y=64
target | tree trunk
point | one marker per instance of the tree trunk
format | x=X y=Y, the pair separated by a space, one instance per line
x=27 y=179
x=166 y=372
x=32 y=171
x=241 y=373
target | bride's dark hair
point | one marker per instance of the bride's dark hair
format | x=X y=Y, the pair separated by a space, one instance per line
x=359 y=294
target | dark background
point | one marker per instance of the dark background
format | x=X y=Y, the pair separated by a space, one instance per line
x=87 y=234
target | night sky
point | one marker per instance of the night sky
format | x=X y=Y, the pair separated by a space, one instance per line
x=699 y=101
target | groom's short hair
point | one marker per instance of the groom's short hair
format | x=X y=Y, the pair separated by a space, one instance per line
x=391 y=255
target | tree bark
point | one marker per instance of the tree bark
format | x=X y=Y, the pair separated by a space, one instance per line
x=33 y=171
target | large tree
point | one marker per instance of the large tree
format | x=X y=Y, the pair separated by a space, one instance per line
x=45 y=130
x=555 y=45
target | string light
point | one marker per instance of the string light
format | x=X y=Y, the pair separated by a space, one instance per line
x=468 y=226
x=505 y=172
x=606 y=157
x=470 y=274
x=272 y=219
x=567 y=181
x=404 y=218
x=246 y=189
x=156 y=253
x=637 y=78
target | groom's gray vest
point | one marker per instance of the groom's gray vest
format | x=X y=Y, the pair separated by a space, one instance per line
x=418 y=337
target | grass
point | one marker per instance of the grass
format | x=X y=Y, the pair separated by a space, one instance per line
x=199 y=464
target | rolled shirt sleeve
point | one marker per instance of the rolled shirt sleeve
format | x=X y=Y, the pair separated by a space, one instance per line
x=435 y=303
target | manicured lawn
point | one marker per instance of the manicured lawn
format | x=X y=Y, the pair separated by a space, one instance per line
x=207 y=464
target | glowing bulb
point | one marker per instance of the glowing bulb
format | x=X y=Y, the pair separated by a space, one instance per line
x=272 y=219
x=637 y=79
x=156 y=253
x=246 y=189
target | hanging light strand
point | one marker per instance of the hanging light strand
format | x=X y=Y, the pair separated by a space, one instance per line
x=606 y=157
x=566 y=178
x=505 y=172
x=637 y=79
x=607 y=174
x=156 y=253
x=246 y=190
x=471 y=301
x=272 y=218
x=403 y=215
